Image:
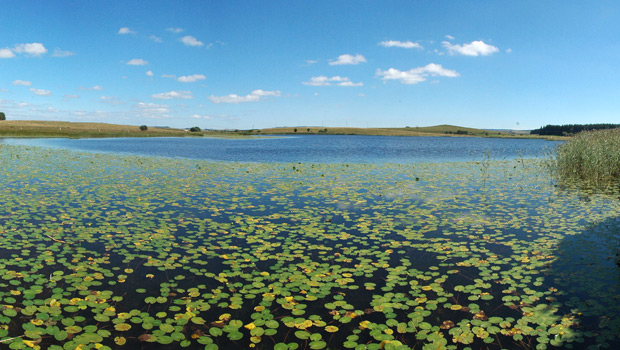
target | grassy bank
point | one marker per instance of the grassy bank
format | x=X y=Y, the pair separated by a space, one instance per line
x=22 y=128
x=591 y=156
x=438 y=130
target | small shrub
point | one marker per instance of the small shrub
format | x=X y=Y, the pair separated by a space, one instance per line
x=2 y=116
x=144 y=127
x=196 y=129
x=590 y=156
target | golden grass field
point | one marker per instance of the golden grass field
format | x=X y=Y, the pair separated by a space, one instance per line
x=25 y=128
x=439 y=130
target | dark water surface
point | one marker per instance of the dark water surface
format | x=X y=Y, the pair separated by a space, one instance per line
x=122 y=252
x=312 y=148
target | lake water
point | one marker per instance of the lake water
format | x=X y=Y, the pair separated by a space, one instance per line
x=100 y=249
x=312 y=148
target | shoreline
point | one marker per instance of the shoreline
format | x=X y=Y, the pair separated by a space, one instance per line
x=54 y=129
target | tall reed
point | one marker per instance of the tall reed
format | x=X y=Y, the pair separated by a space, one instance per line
x=590 y=156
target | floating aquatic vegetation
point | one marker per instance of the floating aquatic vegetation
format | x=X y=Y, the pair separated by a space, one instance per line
x=100 y=251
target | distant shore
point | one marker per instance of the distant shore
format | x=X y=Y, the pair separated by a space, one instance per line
x=22 y=128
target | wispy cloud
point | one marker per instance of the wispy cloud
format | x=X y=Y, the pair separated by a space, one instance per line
x=155 y=39
x=62 y=53
x=137 y=62
x=150 y=73
x=329 y=81
x=475 y=48
x=112 y=100
x=71 y=96
x=174 y=30
x=191 y=78
x=6 y=53
x=125 y=31
x=22 y=82
x=152 y=110
x=348 y=59
x=173 y=94
x=401 y=44
x=197 y=116
x=41 y=92
x=416 y=75
x=191 y=41
x=94 y=88
x=254 y=96
x=32 y=49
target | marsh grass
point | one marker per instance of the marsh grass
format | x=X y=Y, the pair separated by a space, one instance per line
x=592 y=157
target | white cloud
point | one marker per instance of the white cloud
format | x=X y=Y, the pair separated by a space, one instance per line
x=22 y=82
x=112 y=100
x=508 y=50
x=416 y=75
x=175 y=30
x=171 y=76
x=328 y=81
x=350 y=83
x=254 y=96
x=155 y=39
x=401 y=44
x=191 y=41
x=348 y=59
x=154 y=107
x=61 y=53
x=6 y=53
x=197 y=116
x=449 y=37
x=152 y=110
x=191 y=78
x=41 y=92
x=475 y=48
x=71 y=96
x=32 y=49
x=150 y=73
x=137 y=62
x=173 y=94
x=125 y=30
x=95 y=88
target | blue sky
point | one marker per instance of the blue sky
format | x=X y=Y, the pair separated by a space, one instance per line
x=258 y=64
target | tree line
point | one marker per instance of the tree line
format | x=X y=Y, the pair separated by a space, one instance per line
x=570 y=129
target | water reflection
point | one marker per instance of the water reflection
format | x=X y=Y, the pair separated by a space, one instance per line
x=586 y=270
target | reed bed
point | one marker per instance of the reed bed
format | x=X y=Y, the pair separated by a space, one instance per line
x=592 y=157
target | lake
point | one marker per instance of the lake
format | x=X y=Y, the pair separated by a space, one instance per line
x=312 y=148
x=106 y=250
